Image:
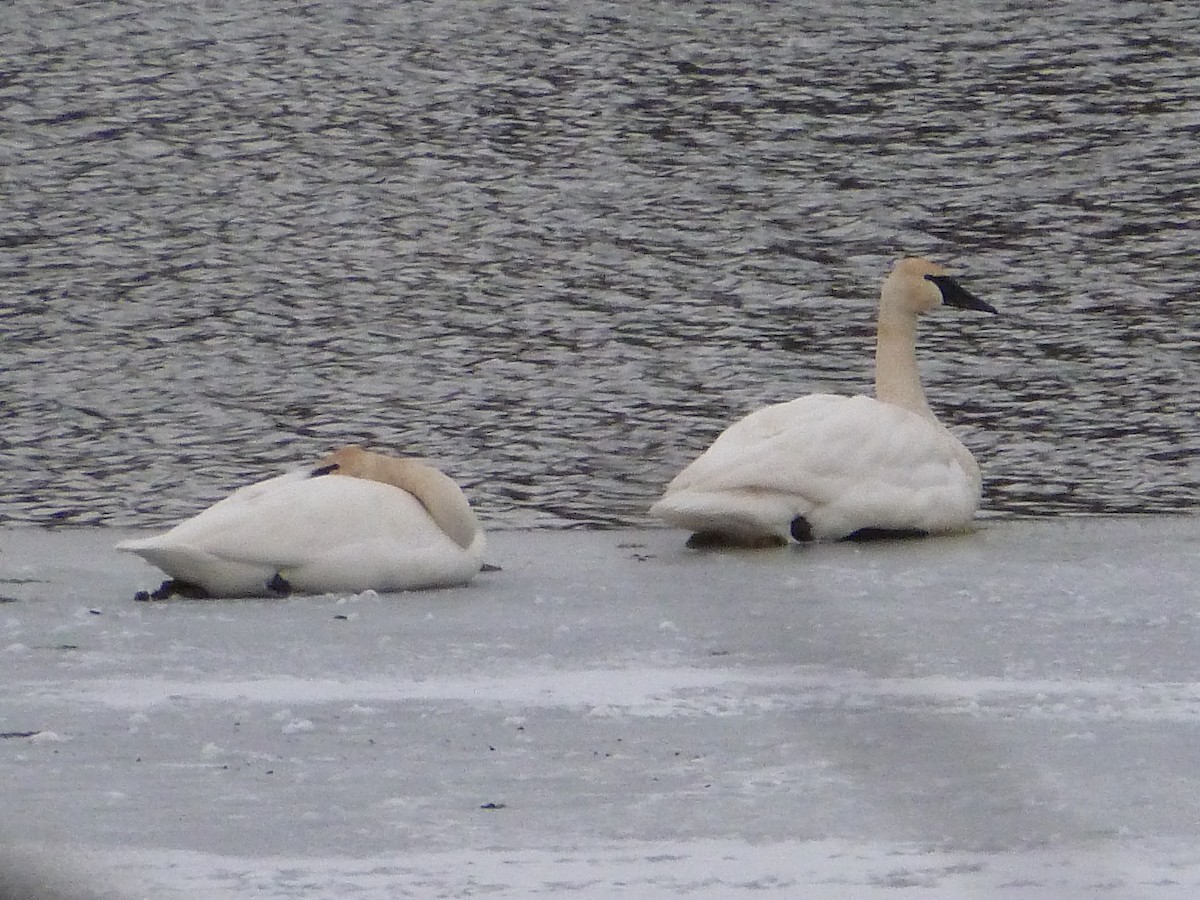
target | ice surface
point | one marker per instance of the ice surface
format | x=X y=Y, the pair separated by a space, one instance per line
x=1011 y=713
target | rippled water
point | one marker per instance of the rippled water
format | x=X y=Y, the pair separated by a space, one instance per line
x=558 y=246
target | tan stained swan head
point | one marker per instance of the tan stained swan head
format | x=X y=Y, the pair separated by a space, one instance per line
x=916 y=286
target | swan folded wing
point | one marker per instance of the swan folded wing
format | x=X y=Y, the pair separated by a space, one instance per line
x=790 y=447
x=742 y=485
x=842 y=462
x=276 y=522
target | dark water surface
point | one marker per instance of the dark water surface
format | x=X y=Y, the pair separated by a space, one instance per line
x=558 y=246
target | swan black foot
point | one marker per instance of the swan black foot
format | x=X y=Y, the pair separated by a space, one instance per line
x=279 y=586
x=716 y=540
x=173 y=587
x=864 y=535
x=801 y=530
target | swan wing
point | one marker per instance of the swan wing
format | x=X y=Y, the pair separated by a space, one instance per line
x=843 y=463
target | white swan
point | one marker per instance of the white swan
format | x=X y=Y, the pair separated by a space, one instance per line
x=358 y=521
x=827 y=467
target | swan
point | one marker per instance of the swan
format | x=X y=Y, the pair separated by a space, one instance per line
x=829 y=467
x=357 y=521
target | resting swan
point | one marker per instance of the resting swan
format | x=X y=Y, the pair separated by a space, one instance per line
x=827 y=467
x=357 y=521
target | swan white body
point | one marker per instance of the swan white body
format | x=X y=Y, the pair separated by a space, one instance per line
x=322 y=533
x=827 y=467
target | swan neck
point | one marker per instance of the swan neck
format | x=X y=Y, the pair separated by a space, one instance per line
x=897 y=378
x=442 y=499
x=433 y=489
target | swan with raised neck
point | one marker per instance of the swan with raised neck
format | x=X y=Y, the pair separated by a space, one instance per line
x=914 y=287
x=832 y=467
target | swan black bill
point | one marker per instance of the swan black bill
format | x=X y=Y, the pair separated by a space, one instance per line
x=954 y=294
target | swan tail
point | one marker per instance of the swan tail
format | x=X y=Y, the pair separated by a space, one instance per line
x=739 y=516
x=218 y=576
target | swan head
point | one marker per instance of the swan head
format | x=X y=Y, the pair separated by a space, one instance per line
x=355 y=462
x=349 y=460
x=917 y=286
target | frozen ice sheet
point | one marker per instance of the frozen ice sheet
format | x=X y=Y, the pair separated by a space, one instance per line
x=1009 y=713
